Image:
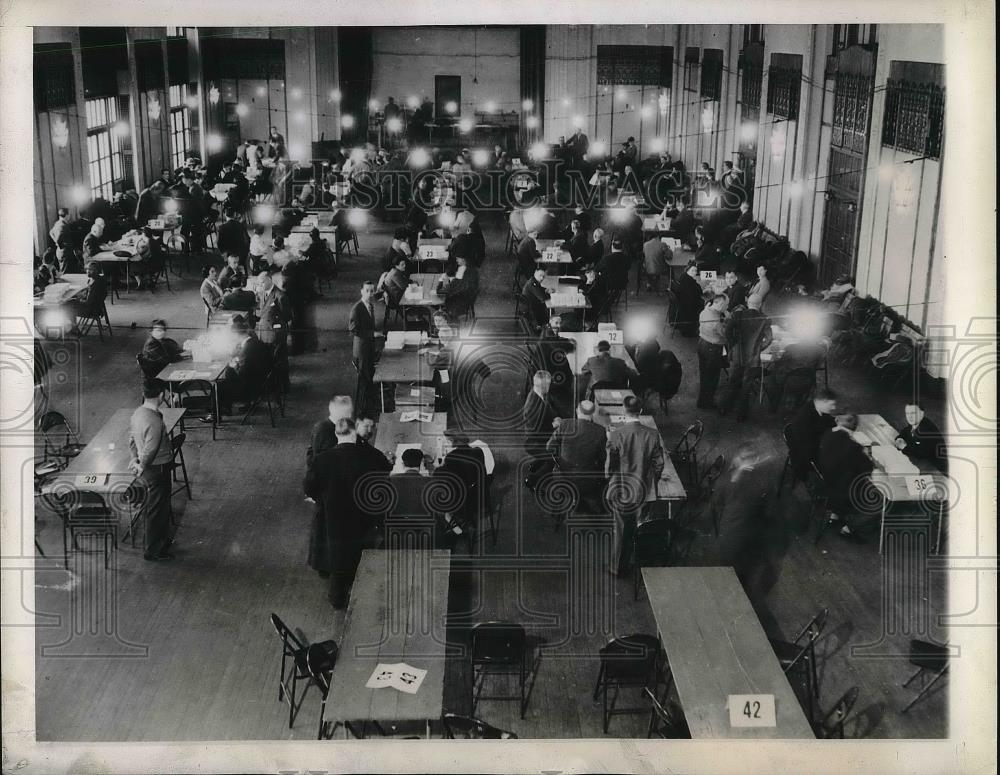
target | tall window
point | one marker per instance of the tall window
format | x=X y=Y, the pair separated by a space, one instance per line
x=103 y=147
x=847 y=35
x=914 y=108
x=784 y=83
x=180 y=136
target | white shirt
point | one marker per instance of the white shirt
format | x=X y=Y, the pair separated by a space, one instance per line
x=258 y=245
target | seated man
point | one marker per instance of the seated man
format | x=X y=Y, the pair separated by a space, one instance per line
x=393 y=283
x=398 y=249
x=536 y=295
x=460 y=290
x=554 y=353
x=847 y=472
x=615 y=266
x=735 y=290
x=921 y=439
x=244 y=376
x=90 y=302
x=232 y=276
x=159 y=351
x=605 y=369
x=528 y=254
x=656 y=257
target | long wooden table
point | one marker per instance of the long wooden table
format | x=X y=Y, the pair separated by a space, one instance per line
x=398 y=366
x=429 y=297
x=893 y=484
x=717 y=648
x=397 y=613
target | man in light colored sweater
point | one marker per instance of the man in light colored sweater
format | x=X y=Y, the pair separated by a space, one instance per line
x=153 y=453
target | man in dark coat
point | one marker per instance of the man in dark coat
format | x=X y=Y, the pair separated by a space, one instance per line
x=247 y=370
x=579 y=446
x=921 y=439
x=362 y=327
x=345 y=481
x=748 y=333
x=553 y=352
x=846 y=471
x=159 y=350
x=233 y=238
x=536 y=295
x=538 y=416
x=690 y=301
x=464 y=473
x=807 y=428
x=603 y=367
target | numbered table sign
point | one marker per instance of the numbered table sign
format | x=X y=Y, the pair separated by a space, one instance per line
x=614 y=337
x=751 y=710
x=923 y=486
x=708 y=275
x=90 y=480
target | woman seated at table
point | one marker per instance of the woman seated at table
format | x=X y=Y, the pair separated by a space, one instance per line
x=92 y=242
x=690 y=301
x=393 y=284
x=159 y=350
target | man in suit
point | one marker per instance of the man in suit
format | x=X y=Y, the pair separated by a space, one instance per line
x=398 y=250
x=233 y=238
x=247 y=370
x=364 y=352
x=595 y=289
x=846 y=471
x=393 y=283
x=538 y=420
x=578 y=145
x=553 y=357
x=464 y=473
x=579 y=447
x=806 y=429
x=635 y=460
x=62 y=238
x=343 y=480
x=576 y=243
x=410 y=515
x=682 y=224
x=921 y=439
x=275 y=310
x=604 y=367
x=324 y=433
x=536 y=295
x=461 y=289
x=614 y=266
x=748 y=333
x=528 y=254
x=159 y=350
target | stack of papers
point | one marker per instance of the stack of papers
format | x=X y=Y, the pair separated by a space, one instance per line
x=414 y=292
x=394 y=340
x=415 y=416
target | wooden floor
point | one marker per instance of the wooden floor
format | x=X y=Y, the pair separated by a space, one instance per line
x=184 y=650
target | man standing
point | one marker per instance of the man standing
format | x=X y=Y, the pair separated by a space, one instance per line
x=343 y=480
x=635 y=461
x=748 y=333
x=233 y=238
x=711 y=341
x=62 y=238
x=806 y=429
x=362 y=326
x=553 y=351
x=324 y=432
x=538 y=417
x=153 y=454
x=846 y=473
x=579 y=446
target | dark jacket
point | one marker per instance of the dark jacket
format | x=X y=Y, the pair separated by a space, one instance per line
x=607 y=368
x=362 y=328
x=925 y=442
x=537 y=416
x=846 y=471
x=614 y=267
x=748 y=332
x=160 y=353
x=804 y=433
x=579 y=446
x=233 y=238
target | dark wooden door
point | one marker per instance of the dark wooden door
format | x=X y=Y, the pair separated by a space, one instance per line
x=447 y=88
x=854 y=77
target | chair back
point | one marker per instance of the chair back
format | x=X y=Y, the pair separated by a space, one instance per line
x=816 y=484
x=807 y=637
x=799 y=382
x=651 y=543
x=468 y=728
x=630 y=658
x=52 y=420
x=290 y=644
x=176 y=442
x=147 y=368
x=708 y=479
x=690 y=439
x=317 y=665
x=192 y=393
x=497 y=643
x=832 y=725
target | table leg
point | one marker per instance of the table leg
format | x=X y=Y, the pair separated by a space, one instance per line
x=881 y=529
x=217 y=416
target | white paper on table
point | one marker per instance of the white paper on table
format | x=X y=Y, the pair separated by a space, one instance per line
x=383 y=675
x=408 y=416
x=445 y=379
x=411 y=337
x=415 y=392
x=863 y=439
x=616 y=394
x=408 y=679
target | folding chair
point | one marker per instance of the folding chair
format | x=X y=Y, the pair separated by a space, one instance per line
x=89 y=516
x=666 y=720
x=650 y=549
x=93 y=314
x=706 y=485
x=685 y=452
x=468 y=728
x=831 y=726
x=673 y=312
x=69 y=447
x=319 y=666
x=818 y=499
x=929 y=658
x=498 y=648
x=631 y=661
x=268 y=389
x=800 y=654
x=198 y=397
x=295 y=668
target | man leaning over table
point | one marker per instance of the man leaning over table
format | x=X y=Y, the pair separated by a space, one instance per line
x=153 y=454
x=635 y=460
